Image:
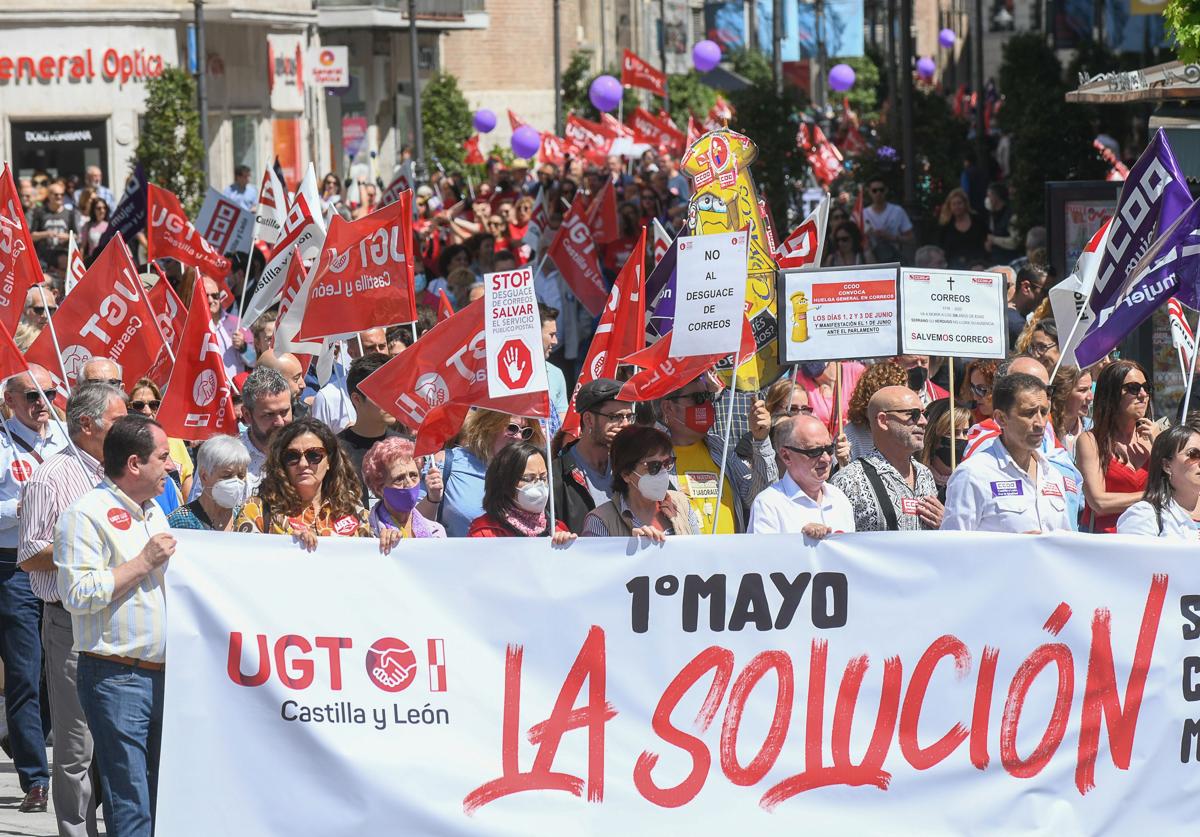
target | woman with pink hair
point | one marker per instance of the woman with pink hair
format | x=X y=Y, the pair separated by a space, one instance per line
x=392 y=473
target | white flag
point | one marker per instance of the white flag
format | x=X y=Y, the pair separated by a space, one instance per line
x=272 y=208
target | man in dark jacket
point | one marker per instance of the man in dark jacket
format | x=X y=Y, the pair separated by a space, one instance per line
x=582 y=479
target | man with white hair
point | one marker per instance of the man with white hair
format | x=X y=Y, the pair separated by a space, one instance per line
x=94 y=179
x=104 y=370
x=802 y=500
x=40 y=305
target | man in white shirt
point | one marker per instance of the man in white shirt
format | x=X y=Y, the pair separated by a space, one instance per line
x=802 y=501
x=887 y=226
x=241 y=191
x=332 y=404
x=1008 y=485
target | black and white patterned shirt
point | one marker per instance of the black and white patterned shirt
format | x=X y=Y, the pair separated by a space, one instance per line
x=868 y=516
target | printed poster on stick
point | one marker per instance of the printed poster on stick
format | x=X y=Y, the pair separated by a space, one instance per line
x=837 y=313
x=512 y=334
x=712 y=294
x=952 y=313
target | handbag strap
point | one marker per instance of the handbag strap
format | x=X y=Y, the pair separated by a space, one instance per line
x=885 y=503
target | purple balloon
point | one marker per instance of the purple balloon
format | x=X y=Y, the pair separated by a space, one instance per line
x=526 y=141
x=841 y=77
x=485 y=121
x=926 y=68
x=605 y=93
x=706 y=54
x=947 y=38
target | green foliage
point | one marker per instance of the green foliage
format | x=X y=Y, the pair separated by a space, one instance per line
x=446 y=119
x=1051 y=138
x=771 y=122
x=1183 y=22
x=689 y=94
x=752 y=64
x=577 y=78
x=865 y=95
x=941 y=145
x=169 y=146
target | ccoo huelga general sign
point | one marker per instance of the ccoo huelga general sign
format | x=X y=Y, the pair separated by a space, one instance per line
x=109 y=65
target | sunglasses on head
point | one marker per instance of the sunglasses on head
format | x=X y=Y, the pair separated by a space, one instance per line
x=139 y=406
x=654 y=466
x=43 y=309
x=313 y=456
x=33 y=396
x=516 y=431
x=912 y=416
x=697 y=398
x=813 y=453
x=1134 y=387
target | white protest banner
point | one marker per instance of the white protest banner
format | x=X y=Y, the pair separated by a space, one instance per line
x=329 y=66
x=224 y=224
x=932 y=683
x=952 y=313
x=710 y=294
x=516 y=362
x=837 y=313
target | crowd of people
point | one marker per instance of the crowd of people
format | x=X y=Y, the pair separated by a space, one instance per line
x=88 y=499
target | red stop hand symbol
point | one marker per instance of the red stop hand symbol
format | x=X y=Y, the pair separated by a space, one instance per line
x=515 y=364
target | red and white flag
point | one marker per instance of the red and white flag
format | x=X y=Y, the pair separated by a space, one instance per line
x=170 y=235
x=588 y=134
x=19 y=266
x=655 y=131
x=474 y=155
x=661 y=374
x=693 y=131
x=1181 y=334
x=618 y=128
x=287 y=326
x=168 y=310
x=445 y=309
x=552 y=150
x=400 y=184
x=620 y=332
x=272 y=209
x=364 y=277
x=602 y=215
x=75 y=266
x=303 y=229
x=637 y=72
x=573 y=252
x=806 y=243
x=662 y=241
x=514 y=121
x=12 y=362
x=198 y=400
x=107 y=315
x=432 y=385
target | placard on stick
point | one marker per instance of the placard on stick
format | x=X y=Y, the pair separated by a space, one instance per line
x=512 y=331
x=711 y=294
x=837 y=313
x=952 y=313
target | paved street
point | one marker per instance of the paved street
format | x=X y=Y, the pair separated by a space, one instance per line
x=12 y=821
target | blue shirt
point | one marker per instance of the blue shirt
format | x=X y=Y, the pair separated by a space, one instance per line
x=462 y=501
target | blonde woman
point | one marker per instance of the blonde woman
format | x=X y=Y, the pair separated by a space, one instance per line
x=484 y=434
x=961 y=233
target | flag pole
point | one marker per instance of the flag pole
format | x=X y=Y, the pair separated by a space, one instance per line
x=1187 y=395
x=1067 y=346
x=953 y=423
x=54 y=340
x=737 y=363
x=246 y=275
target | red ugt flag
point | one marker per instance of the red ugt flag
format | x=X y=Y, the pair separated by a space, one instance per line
x=19 y=268
x=602 y=215
x=445 y=309
x=662 y=374
x=433 y=383
x=637 y=72
x=364 y=277
x=169 y=234
x=198 y=402
x=12 y=362
x=574 y=253
x=107 y=315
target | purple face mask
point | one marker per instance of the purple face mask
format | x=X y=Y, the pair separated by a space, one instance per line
x=402 y=500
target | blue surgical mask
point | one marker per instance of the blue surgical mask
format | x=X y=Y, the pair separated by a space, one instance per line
x=419 y=282
x=813 y=368
x=402 y=500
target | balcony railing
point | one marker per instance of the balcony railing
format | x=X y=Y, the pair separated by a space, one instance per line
x=428 y=9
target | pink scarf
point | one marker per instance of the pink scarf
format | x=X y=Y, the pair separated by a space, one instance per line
x=529 y=524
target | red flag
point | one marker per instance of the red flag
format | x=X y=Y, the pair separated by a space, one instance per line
x=514 y=121
x=804 y=246
x=662 y=241
x=19 y=267
x=12 y=362
x=587 y=134
x=198 y=401
x=637 y=72
x=649 y=128
x=169 y=234
x=474 y=155
x=75 y=266
x=574 y=254
x=602 y=215
x=445 y=309
x=693 y=131
x=168 y=310
x=363 y=279
x=400 y=183
x=618 y=128
x=621 y=330
x=552 y=150
x=107 y=315
x=432 y=384
x=662 y=374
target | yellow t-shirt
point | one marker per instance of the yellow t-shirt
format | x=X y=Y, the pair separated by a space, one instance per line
x=183 y=459
x=697 y=475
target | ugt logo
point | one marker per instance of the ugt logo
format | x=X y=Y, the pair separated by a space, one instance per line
x=390 y=663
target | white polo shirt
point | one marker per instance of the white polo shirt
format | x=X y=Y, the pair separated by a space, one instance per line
x=991 y=493
x=1177 y=523
x=783 y=507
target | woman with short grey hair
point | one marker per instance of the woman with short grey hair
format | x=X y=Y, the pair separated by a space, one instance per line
x=221 y=462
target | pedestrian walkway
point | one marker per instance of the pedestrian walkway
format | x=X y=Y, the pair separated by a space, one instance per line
x=12 y=822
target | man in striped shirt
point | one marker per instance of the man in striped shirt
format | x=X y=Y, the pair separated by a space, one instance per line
x=111 y=549
x=63 y=479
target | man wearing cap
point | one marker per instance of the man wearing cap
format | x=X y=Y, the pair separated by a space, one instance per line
x=582 y=478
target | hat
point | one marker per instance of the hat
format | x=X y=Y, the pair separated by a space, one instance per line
x=424 y=192
x=594 y=393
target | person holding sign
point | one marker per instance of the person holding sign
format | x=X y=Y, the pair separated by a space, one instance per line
x=1008 y=485
x=802 y=500
x=515 y=490
x=1172 y=491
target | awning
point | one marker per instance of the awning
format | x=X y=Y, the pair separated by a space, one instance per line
x=1165 y=82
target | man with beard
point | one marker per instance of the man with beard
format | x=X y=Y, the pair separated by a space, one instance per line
x=266 y=407
x=582 y=478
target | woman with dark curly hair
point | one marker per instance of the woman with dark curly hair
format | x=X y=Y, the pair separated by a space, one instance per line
x=858 y=426
x=308 y=489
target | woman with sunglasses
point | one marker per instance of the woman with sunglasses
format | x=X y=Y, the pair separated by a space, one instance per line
x=643 y=503
x=145 y=398
x=393 y=474
x=1070 y=405
x=935 y=451
x=1172 y=489
x=94 y=229
x=1114 y=454
x=484 y=434
x=516 y=489
x=976 y=389
x=331 y=196
x=847 y=247
x=308 y=489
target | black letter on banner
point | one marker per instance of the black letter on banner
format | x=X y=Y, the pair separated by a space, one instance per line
x=823 y=585
x=639 y=608
x=793 y=594
x=1189 y=606
x=1191 y=733
x=1191 y=667
x=751 y=605
x=713 y=589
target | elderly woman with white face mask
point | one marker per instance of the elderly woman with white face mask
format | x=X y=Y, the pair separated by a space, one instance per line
x=221 y=463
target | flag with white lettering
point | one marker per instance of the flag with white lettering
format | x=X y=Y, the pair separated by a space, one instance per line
x=224 y=224
x=272 y=208
x=129 y=218
x=803 y=247
x=198 y=401
x=107 y=315
x=12 y=362
x=75 y=266
x=661 y=374
x=602 y=215
x=303 y=228
x=638 y=72
x=291 y=310
x=573 y=252
x=19 y=266
x=170 y=235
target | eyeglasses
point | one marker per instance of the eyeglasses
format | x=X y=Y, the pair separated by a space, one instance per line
x=33 y=396
x=876 y=190
x=912 y=416
x=1192 y=455
x=516 y=431
x=115 y=382
x=980 y=391
x=42 y=310
x=1133 y=388
x=217 y=295
x=530 y=479
x=697 y=398
x=654 y=466
x=139 y=406
x=313 y=456
x=797 y=409
x=619 y=418
x=1039 y=349
x=813 y=453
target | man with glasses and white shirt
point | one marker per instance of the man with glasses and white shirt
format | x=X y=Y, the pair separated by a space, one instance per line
x=891 y=491
x=802 y=501
x=886 y=225
x=582 y=479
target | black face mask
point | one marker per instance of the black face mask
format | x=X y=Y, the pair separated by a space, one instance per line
x=942 y=451
x=917 y=376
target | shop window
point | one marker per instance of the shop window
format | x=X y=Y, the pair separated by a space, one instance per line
x=245 y=144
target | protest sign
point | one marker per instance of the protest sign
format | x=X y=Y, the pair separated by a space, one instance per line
x=711 y=294
x=754 y=684
x=837 y=313
x=516 y=363
x=224 y=224
x=952 y=313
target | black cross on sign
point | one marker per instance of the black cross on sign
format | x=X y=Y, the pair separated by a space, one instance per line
x=951 y=281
